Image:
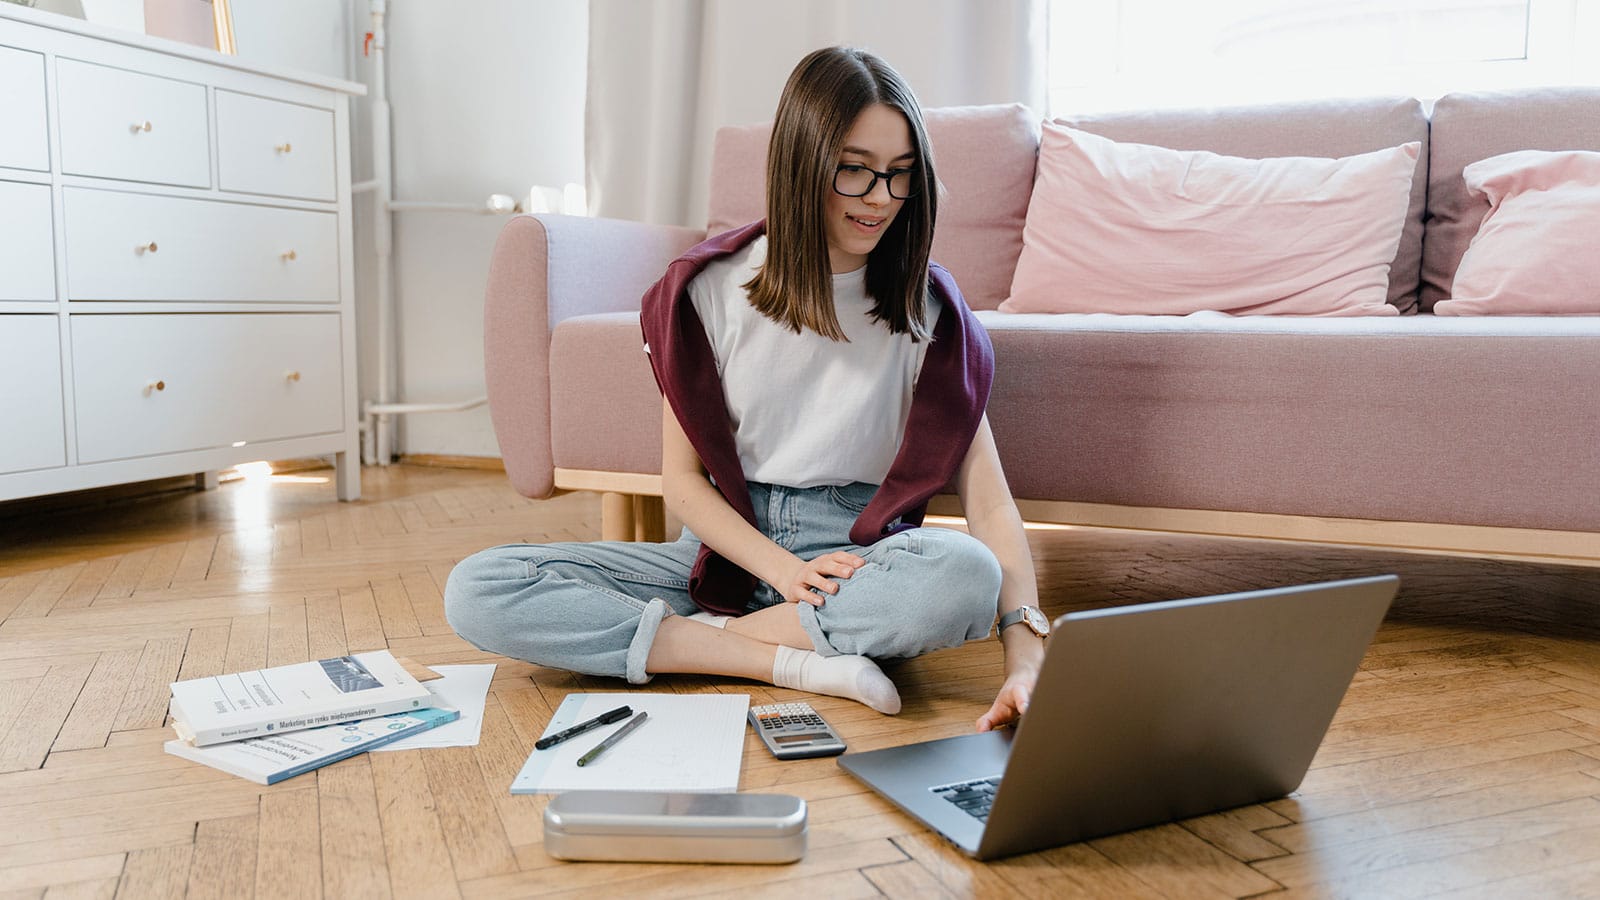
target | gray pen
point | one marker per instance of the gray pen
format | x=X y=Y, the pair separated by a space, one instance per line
x=617 y=735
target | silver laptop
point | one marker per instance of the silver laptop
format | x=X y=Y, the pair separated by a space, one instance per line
x=1146 y=714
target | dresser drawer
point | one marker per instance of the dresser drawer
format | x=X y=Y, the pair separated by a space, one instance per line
x=124 y=246
x=163 y=383
x=31 y=424
x=120 y=124
x=23 y=144
x=270 y=147
x=27 y=243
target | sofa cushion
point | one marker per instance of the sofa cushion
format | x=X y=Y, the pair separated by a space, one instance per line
x=1305 y=416
x=1132 y=228
x=1534 y=254
x=1470 y=127
x=985 y=159
x=1329 y=129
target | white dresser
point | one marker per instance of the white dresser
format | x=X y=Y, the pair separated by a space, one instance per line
x=176 y=288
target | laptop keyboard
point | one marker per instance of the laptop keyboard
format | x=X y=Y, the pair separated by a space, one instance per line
x=972 y=797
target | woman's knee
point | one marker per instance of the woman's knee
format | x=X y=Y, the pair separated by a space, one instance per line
x=964 y=580
x=943 y=585
x=475 y=590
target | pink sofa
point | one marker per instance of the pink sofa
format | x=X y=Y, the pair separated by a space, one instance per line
x=1461 y=434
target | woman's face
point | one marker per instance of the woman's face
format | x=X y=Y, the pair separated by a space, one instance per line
x=880 y=140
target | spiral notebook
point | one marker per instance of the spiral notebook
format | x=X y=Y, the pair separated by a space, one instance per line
x=689 y=742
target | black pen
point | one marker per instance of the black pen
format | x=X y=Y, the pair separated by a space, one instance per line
x=617 y=735
x=605 y=718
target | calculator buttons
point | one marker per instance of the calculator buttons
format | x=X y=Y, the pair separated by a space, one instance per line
x=794 y=731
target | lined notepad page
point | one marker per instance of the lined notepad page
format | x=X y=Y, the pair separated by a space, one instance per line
x=689 y=742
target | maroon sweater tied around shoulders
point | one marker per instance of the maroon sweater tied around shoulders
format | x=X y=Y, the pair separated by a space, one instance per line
x=946 y=408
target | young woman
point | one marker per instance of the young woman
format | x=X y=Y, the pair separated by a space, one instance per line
x=821 y=380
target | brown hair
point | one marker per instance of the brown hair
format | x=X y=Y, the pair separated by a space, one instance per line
x=825 y=93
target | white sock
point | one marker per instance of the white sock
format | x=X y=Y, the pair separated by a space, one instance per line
x=855 y=677
x=712 y=619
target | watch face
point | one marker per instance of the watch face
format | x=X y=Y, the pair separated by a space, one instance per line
x=1036 y=620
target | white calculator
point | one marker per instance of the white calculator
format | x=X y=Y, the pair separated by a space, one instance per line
x=794 y=731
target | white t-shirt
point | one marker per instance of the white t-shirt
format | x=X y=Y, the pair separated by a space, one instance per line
x=807 y=410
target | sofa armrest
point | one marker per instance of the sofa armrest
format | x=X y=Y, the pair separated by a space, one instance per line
x=544 y=269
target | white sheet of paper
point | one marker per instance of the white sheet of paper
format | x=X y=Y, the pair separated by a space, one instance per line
x=467 y=689
x=689 y=742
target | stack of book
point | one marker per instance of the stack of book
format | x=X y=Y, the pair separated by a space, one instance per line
x=270 y=724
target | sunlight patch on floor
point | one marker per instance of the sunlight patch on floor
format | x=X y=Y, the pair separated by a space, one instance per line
x=260 y=472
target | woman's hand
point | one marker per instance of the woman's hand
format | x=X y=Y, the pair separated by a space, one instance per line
x=1011 y=702
x=816 y=575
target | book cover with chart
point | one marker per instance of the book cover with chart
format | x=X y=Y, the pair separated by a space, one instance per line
x=271 y=759
x=305 y=695
x=689 y=742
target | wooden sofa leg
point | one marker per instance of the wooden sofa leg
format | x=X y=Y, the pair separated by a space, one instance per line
x=649 y=518
x=616 y=517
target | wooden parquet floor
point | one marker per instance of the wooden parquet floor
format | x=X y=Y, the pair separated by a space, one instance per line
x=1464 y=762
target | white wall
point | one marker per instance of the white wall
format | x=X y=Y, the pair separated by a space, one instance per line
x=486 y=97
x=667 y=75
x=310 y=35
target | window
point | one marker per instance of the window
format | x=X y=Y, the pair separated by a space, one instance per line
x=1122 y=54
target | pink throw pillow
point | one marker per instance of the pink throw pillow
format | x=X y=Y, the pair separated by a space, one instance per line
x=1535 y=251
x=1132 y=228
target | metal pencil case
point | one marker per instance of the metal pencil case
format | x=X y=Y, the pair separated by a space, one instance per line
x=649 y=826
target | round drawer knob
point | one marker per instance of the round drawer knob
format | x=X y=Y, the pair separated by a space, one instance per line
x=146 y=248
x=283 y=147
x=291 y=376
x=157 y=385
x=140 y=126
x=287 y=256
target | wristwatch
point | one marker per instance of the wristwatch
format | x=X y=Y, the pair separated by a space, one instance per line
x=1027 y=615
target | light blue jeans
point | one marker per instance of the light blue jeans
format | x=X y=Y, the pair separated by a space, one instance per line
x=595 y=607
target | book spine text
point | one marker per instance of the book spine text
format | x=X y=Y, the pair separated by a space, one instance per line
x=334 y=716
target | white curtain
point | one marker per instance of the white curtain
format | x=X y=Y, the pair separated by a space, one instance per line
x=664 y=75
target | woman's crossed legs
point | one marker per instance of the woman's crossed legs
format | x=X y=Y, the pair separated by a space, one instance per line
x=623 y=609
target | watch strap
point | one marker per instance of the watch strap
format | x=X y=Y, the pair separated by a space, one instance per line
x=1010 y=619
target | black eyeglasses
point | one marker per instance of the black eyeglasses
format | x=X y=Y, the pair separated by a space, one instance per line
x=858 y=181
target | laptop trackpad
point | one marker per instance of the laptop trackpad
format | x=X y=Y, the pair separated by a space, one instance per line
x=907 y=775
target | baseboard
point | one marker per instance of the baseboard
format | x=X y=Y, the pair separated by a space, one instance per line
x=308 y=464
